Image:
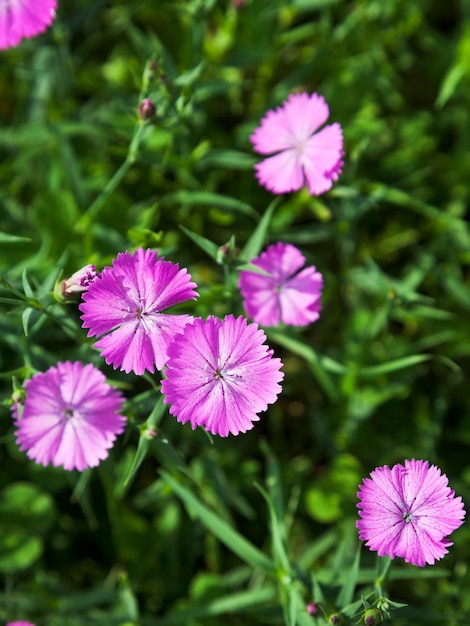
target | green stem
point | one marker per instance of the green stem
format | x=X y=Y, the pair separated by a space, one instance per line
x=87 y=219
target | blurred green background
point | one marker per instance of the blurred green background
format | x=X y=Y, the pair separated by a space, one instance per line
x=382 y=376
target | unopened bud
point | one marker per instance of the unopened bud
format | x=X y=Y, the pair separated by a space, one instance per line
x=238 y=4
x=79 y=281
x=313 y=608
x=146 y=110
x=372 y=617
x=335 y=619
x=227 y=252
x=18 y=396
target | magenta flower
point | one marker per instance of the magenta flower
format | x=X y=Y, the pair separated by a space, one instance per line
x=304 y=156
x=21 y=19
x=408 y=512
x=285 y=293
x=70 y=417
x=220 y=374
x=20 y=624
x=124 y=307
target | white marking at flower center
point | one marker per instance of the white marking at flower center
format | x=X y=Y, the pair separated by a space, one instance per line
x=407 y=517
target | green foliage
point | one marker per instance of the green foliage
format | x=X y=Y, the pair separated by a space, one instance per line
x=177 y=528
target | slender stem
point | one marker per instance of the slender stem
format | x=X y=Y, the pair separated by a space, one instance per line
x=92 y=212
x=83 y=225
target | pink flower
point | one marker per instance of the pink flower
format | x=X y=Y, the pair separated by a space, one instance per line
x=304 y=155
x=285 y=293
x=70 y=417
x=79 y=281
x=21 y=19
x=124 y=306
x=220 y=374
x=20 y=624
x=408 y=512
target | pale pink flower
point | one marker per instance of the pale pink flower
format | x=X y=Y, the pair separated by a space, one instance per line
x=70 y=418
x=408 y=511
x=79 y=281
x=124 y=306
x=284 y=292
x=304 y=156
x=220 y=375
x=21 y=19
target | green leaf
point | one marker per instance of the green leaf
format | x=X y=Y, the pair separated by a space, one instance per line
x=393 y=366
x=278 y=535
x=209 y=247
x=209 y=199
x=220 y=528
x=346 y=593
x=144 y=440
x=18 y=550
x=25 y=319
x=318 y=364
x=257 y=240
x=227 y=160
x=26 y=286
x=232 y=603
x=6 y=238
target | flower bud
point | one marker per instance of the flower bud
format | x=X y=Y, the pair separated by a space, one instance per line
x=146 y=110
x=372 y=617
x=313 y=608
x=79 y=281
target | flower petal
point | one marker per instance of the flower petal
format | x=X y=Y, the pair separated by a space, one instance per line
x=25 y=18
x=322 y=158
x=291 y=124
x=281 y=173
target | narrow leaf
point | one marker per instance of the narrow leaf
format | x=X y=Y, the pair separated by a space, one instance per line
x=209 y=247
x=393 y=366
x=220 y=528
x=256 y=241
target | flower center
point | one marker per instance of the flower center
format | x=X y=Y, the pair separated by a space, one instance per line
x=218 y=374
x=407 y=517
x=68 y=413
x=299 y=146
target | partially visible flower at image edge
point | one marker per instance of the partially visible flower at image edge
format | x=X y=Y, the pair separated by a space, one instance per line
x=304 y=156
x=124 y=308
x=70 y=417
x=285 y=293
x=20 y=19
x=220 y=374
x=408 y=511
x=20 y=624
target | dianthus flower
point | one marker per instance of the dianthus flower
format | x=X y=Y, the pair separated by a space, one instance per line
x=408 y=512
x=21 y=19
x=20 y=624
x=70 y=417
x=124 y=307
x=304 y=155
x=285 y=292
x=220 y=374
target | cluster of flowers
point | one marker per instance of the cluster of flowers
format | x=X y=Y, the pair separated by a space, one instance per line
x=219 y=374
